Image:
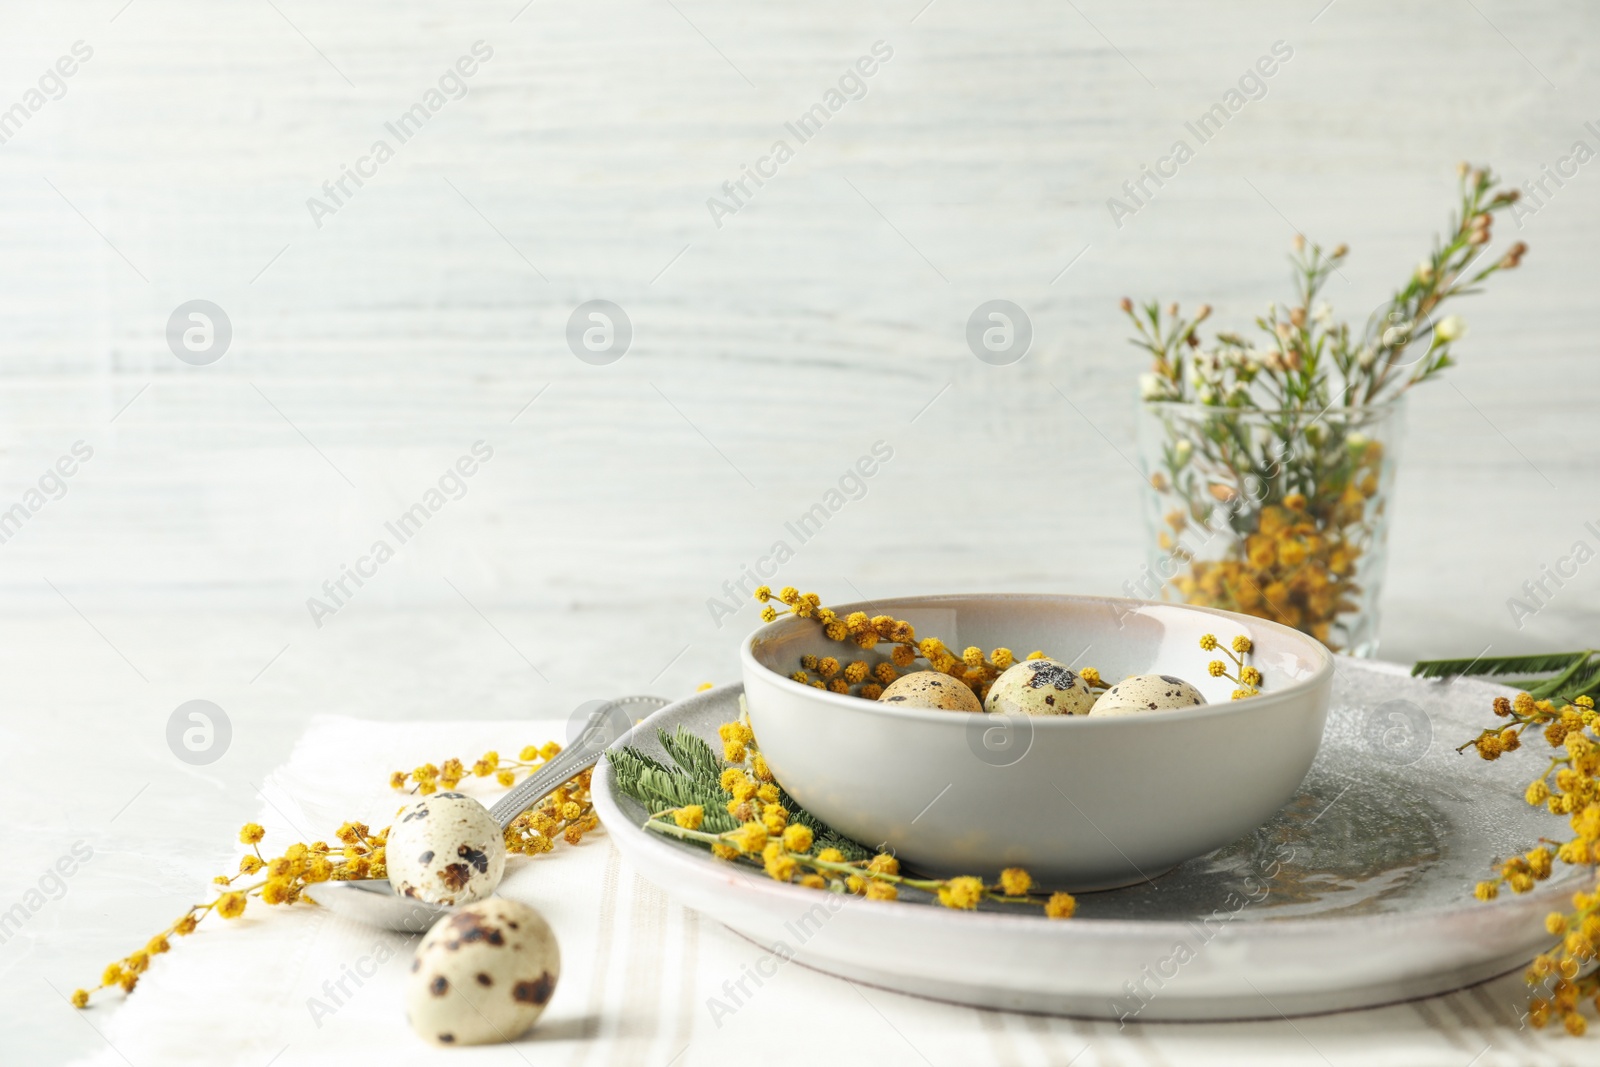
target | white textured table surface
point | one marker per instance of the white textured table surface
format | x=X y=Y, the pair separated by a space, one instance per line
x=645 y=981
x=429 y=310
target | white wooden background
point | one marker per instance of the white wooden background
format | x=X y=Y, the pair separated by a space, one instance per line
x=768 y=355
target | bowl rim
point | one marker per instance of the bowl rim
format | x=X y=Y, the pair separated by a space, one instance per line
x=1319 y=677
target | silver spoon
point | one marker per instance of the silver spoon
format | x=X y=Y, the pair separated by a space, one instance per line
x=373 y=901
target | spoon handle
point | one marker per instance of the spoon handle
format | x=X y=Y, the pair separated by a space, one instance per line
x=608 y=722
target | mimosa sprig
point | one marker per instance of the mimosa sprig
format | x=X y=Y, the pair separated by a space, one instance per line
x=1560 y=710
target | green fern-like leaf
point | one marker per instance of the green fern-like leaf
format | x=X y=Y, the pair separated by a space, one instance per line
x=1576 y=684
x=658 y=787
x=1487 y=667
x=695 y=780
x=691 y=753
x=630 y=762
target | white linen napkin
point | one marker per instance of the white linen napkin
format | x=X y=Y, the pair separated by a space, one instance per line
x=643 y=979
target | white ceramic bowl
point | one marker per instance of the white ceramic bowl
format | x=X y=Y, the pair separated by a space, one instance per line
x=1082 y=803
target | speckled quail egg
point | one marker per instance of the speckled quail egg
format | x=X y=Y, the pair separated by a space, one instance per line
x=931 y=689
x=445 y=849
x=1147 y=692
x=1039 y=687
x=482 y=974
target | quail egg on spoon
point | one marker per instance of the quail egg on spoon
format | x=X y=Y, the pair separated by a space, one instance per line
x=445 y=849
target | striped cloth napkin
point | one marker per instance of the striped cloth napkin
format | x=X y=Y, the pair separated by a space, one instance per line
x=648 y=983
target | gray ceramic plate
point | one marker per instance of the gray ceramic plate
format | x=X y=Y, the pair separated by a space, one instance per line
x=1359 y=892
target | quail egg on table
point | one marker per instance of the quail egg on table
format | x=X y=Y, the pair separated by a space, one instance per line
x=482 y=974
x=931 y=689
x=1039 y=687
x=445 y=849
x=1147 y=692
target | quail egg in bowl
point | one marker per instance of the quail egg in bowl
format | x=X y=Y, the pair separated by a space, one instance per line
x=930 y=689
x=1040 y=686
x=1086 y=791
x=1147 y=692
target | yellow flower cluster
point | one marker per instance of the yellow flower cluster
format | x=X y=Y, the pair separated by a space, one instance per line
x=971 y=665
x=857 y=676
x=282 y=879
x=567 y=814
x=429 y=778
x=1298 y=566
x=1569 y=786
x=787 y=850
x=1247 y=679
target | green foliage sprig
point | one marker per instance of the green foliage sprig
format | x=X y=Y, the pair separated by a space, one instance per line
x=696 y=780
x=1278 y=440
x=1309 y=361
x=734 y=807
x=1569 y=675
x=1558 y=710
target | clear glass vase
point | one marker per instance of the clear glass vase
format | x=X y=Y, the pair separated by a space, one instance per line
x=1279 y=514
